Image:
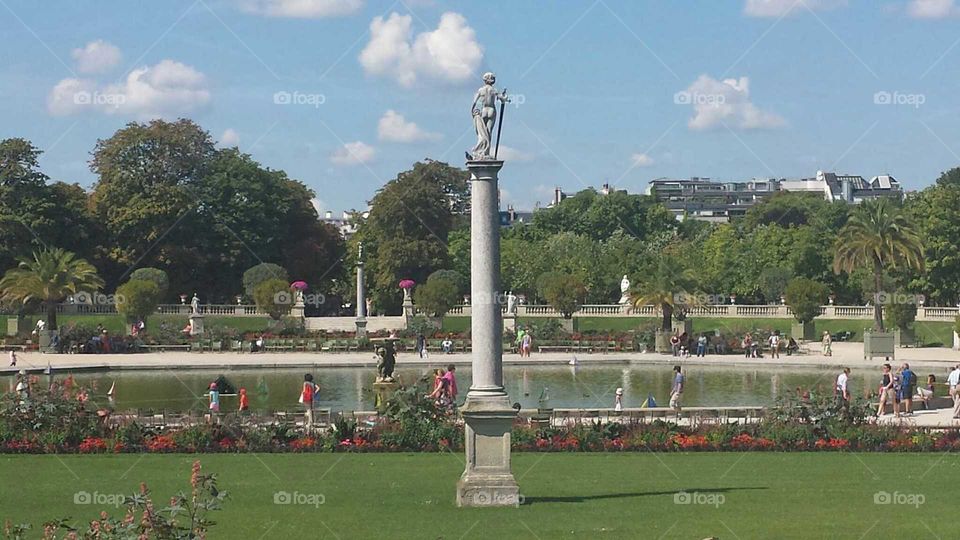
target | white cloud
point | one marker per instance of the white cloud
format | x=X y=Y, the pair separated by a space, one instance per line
x=302 y=9
x=229 y=138
x=394 y=127
x=450 y=53
x=509 y=153
x=932 y=9
x=780 y=8
x=641 y=160
x=353 y=153
x=725 y=102
x=96 y=57
x=165 y=89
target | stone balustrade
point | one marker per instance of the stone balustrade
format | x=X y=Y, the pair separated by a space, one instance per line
x=741 y=311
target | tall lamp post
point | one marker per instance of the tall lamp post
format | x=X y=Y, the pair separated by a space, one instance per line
x=361 y=295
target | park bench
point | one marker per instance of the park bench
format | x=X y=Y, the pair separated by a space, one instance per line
x=167 y=347
x=11 y=347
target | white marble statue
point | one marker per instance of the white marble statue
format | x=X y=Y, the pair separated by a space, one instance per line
x=511 y=303
x=624 y=290
x=195 y=304
x=484 y=111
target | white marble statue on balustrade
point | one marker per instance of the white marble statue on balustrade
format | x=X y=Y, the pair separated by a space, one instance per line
x=195 y=304
x=624 y=290
x=511 y=303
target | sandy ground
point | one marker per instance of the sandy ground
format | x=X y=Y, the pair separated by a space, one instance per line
x=844 y=354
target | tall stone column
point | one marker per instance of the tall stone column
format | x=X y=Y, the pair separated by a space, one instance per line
x=361 y=302
x=487 y=479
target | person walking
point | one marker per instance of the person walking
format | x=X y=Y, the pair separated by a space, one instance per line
x=526 y=344
x=908 y=382
x=842 y=389
x=451 y=383
x=885 y=391
x=214 y=403
x=308 y=395
x=701 y=346
x=244 y=401
x=422 y=346
x=13 y=358
x=676 y=391
x=675 y=344
x=953 y=380
x=826 y=344
x=618 y=400
x=774 y=341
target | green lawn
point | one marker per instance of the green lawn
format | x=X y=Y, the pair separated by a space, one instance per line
x=630 y=495
x=115 y=323
x=927 y=332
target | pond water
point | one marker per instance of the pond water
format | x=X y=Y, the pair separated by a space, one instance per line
x=561 y=386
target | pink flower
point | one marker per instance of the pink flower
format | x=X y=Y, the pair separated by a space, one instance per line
x=407 y=283
x=299 y=285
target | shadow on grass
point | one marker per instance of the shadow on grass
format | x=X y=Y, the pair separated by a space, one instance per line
x=586 y=498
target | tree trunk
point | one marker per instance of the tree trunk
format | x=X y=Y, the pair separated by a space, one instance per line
x=666 y=324
x=51 y=316
x=877 y=307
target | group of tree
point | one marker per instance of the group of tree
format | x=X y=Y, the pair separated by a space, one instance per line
x=166 y=197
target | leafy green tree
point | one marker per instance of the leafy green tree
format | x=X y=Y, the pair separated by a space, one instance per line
x=773 y=282
x=157 y=276
x=458 y=279
x=936 y=213
x=901 y=314
x=405 y=234
x=438 y=294
x=137 y=299
x=880 y=237
x=565 y=292
x=668 y=285
x=49 y=277
x=805 y=296
x=274 y=297
x=256 y=275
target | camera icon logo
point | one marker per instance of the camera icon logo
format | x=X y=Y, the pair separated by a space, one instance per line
x=882 y=98
x=683 y=98
x=882 y=497
x=82 y=497
x=682 y=497
x=82 y=98
x=282 y=497
x=282 y=98
x=283 y=298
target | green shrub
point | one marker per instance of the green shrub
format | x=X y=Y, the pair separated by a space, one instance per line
x=256 y=275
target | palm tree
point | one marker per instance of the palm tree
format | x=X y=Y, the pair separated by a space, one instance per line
x=49 y=277
x=669 y=286
x=878 y=236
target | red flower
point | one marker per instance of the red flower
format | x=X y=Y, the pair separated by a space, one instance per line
x=161 y=443
x=92 y=445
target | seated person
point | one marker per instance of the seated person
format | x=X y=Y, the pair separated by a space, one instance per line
x=447 y=346
x=792 y=346
x=925 y=394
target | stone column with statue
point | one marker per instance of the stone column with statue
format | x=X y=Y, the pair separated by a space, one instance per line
x=487 y=479
x=361 y=321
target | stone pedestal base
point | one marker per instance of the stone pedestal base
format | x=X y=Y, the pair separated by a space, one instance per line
x=196 y=324
x=510 y=323
x=361 y=328
x=382 y=391
x=487 y=479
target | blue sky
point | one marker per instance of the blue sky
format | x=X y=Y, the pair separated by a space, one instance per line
x=604 y=91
